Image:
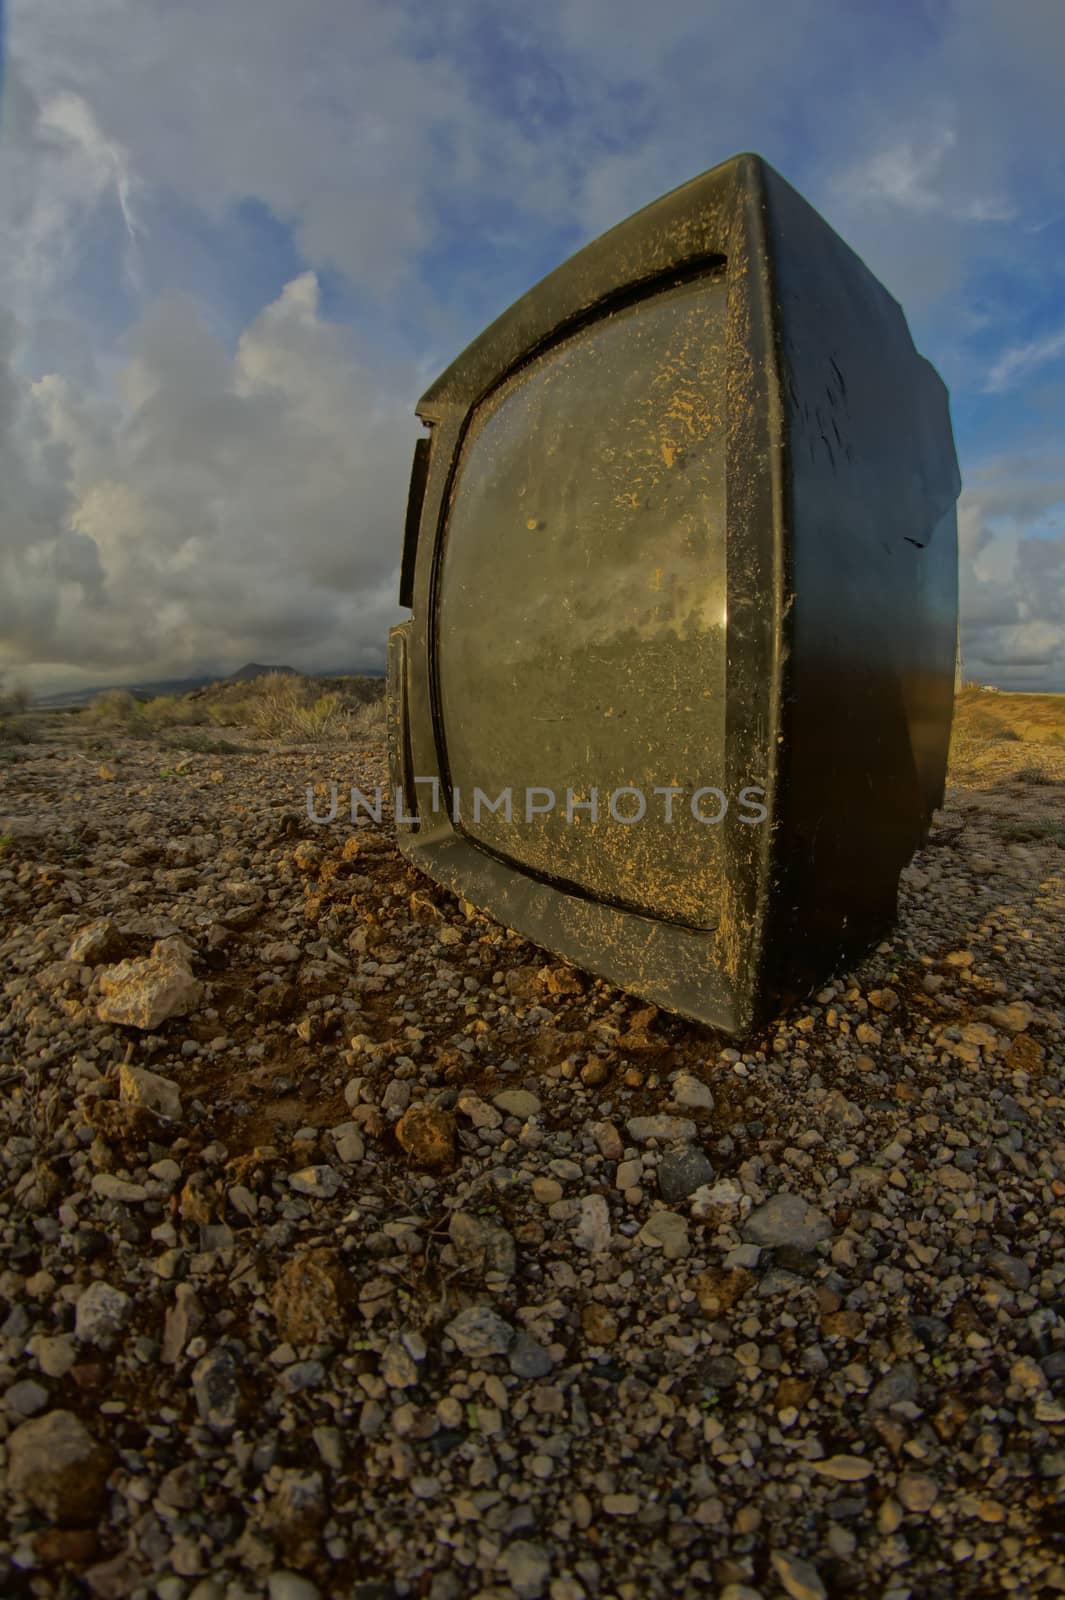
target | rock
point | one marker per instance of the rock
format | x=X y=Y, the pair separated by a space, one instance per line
x=147 y=992
x=320 y=1183
x=667 y=1130
x=798 y=1577
x=100 y=1314
x=898 y=1385
x=844 y=1469
x=480 y=1332
x=25 y=1398
x=216 y=1389
x=517 y=1103
x=57 y=1465
x=528 y=1568
x=482 y=1245
x=599 y=1324
x=689 y=1090
x=527 y=1358
x=55 y=1354
x=1011 y=1019
x=310 y=1297
x=139 y=1087
x=718 y=1289
x=681 y=1172
x=621 y=1505
x=111 y=1187
x=182 y=1320
x=917 y=1492
x=668 y=1232
x=285 y=1585
x=592 y=1232
x=97 y=942
x=427 y=1134
x=397 y=1368
x=787 y=1219
x=1009 y=1270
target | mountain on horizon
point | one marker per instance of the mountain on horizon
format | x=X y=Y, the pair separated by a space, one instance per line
x=255 y=669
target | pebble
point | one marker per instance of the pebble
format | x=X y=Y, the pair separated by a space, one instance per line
x=100 y=1314
x=480 y=1332
x=799 y=1578
x=787 y=1219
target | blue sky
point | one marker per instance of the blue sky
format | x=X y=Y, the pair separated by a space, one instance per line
x=240 y=239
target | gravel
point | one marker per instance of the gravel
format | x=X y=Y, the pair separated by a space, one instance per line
x=351 y=1245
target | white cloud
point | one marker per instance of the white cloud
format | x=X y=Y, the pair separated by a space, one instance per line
x=1021 y=360
x=223 y=507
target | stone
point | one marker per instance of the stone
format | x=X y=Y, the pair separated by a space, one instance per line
x=517 y=1103
x=1009 y=1270
x=600 y=1325
x=681 y=1172
x=527 y=1358
x=100 y=1314
x=97 y=942
x=57 y=1465
x=666 y=1231
x=25 y=1398
x=917 y=1492
x=528 y=1568
x=216 y=1389
x=592 y=1232
x=427 y=1134
x=667 y=1130
x=787 y=1219
x=320 y=1182
x=690 y=1091
x=139 y=1087
x=480 y=1332
x=55 y=1354
x=286 y=1585
x=896 y=1386
x=397 y=1368
x=181 y=1321
x=109 y=1186
x=310 y=1297
x=844 y=1469
x=149 y=991
x=718 y=1289
x=798 y=1577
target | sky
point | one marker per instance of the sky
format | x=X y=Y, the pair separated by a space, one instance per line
x=239 y=239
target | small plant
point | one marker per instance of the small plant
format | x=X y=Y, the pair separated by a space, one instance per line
x=15 y=726
x=7 y=844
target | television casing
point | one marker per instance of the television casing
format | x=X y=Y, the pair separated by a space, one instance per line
x=840 y=565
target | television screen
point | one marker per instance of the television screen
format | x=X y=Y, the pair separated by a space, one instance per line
x=675 y=697
x=584 y=666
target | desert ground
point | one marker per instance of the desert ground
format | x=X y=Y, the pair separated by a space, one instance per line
x=351 y=1246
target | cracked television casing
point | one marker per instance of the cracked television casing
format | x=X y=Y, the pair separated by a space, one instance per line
x=684 y=520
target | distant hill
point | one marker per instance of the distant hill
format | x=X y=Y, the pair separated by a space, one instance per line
x=255 y=669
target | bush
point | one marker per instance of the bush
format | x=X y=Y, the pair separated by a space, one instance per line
x=369 y=720
x=114 y=708
x=15 y=726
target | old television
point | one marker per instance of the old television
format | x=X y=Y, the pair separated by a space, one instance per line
x=683 y=525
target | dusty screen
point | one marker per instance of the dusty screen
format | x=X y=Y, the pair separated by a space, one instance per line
x=581 y=615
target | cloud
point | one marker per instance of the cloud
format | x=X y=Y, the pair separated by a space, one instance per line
x=1011 y=529
x=224 y=506
x=1019 y=361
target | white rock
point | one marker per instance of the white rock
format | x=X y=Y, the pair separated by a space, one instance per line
x=689 y=1090
x=100 y=1314
x=146 y=993
x=592 y=1232
x=139 y=1087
